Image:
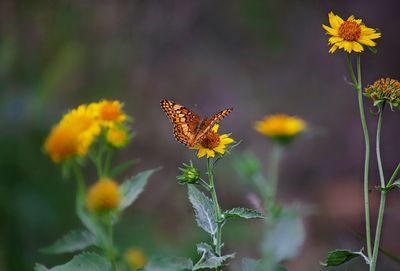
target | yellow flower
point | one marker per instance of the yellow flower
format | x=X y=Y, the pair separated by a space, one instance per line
x=103 y=196
x=280 y=127
x=62 y=143
x=135 y=258
x=349 y=35
x=213 y=143
x=110 y=112
x=73 y=135
x=117 y=136
x=385 y=90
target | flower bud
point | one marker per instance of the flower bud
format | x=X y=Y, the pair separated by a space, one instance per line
x=190 y=174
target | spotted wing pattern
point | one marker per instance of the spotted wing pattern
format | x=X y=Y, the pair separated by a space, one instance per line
x=188 y=128
x=185 y=121
x=208 y=124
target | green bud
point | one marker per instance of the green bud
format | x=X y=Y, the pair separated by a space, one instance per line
x=190 y=174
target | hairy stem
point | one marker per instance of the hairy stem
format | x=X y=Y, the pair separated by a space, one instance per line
x=217 y=208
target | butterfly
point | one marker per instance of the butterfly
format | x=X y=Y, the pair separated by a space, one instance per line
x=189 y=129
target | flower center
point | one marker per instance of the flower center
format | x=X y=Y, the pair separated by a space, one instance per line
x=211 y=141
x=350 y=31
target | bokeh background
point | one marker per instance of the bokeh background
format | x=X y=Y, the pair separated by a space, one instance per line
x=260 y=57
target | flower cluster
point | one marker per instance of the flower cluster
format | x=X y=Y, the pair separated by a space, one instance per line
x=349 y=35
x=385 y=90
x=79 y=128
x=213 y=143
x=280 y=127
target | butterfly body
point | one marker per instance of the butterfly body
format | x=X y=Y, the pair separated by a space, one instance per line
x=189 y=128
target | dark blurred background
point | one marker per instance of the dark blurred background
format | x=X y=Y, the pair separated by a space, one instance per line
x=260 y=57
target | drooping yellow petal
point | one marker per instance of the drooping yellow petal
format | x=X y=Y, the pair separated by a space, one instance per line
x=357 y=47
x=333 y=49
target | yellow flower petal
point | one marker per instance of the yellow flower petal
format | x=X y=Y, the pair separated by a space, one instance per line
x=366 y=41
x=220 y=149
x=330 y=30
x=215 y=128
x=334 y=20
x=334 y=39
x=201 y=152
x=357 y=47
x=210 y=153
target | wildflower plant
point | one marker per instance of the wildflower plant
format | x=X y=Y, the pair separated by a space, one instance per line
x=91 y=133
x=203 y=196
x=351 y=35
x=283 y=231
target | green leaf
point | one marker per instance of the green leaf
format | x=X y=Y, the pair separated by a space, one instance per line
x=87 y=261
x=122 y=167
x=208 y=258
x=131 y=188
x=204 y=210
x=168 y=264
x=242 y=213
x=281 y=268
x=71 y=242
x=340 y=256
x=286 y=235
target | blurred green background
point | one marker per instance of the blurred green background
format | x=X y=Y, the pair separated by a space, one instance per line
x=260 y=57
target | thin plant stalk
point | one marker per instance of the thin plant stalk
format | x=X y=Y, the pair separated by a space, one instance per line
x=383 y=192
x=110 y=249
x=273 y=174
x=217 y=208
x=358 y=85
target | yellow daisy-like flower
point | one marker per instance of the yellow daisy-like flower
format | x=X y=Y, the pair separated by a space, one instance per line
x=117 y=136
x=349 y=35
x=110 y=112
x=135 y=258
x=213 y=143
x=73 y=135
x=280 y=127
x=103 y=196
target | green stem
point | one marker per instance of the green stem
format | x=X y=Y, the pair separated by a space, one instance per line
x=378 y=231
x=383 y=193
x=217 y=208
x=358 y=85
x=378 y=145
x=110 y=249
x=273 y=172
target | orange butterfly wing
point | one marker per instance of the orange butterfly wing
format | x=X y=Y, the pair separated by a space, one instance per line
x=185 y=121
x=188 y=129
x=208 y=124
